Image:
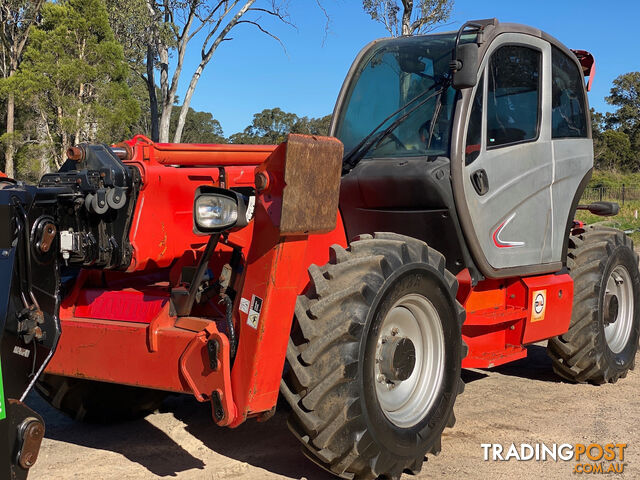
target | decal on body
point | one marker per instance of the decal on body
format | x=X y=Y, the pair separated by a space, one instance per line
x=501 y=243
x=254 y=311
x=539 y=304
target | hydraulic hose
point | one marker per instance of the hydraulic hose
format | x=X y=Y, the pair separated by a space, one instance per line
x=231 y=331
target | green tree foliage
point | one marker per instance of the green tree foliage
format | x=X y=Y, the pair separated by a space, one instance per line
x=268 y=127
x=16 y=19
x=315 y=126
x=139 y=26
x=616 y=136
x=615 y=152
x=597 y=123
x=74 y=77
x=408 y=17
x=272 y=125
x=199 y=127
x=625 y=95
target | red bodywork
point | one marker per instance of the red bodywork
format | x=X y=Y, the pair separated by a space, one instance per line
x=118 y=326
x=588 y=64
x=501 y=315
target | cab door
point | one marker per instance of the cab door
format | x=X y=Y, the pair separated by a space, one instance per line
x=508 y=164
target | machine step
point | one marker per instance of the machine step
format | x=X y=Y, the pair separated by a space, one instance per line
x=495 y=316
x=493 y=359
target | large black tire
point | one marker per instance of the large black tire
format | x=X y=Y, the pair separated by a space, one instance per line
x=331 y=382
x=98 y=402
x=584 y=354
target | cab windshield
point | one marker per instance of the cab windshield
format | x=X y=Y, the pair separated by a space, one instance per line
x=392 y=74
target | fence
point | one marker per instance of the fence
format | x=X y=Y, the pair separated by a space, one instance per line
x=613 y=194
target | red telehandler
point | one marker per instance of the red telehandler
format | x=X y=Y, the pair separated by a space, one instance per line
x=354 y=274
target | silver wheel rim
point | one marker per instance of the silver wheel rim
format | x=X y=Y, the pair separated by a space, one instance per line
x=405 y=403
x=618 y=332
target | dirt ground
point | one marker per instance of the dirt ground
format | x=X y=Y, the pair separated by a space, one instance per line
x=521 y=403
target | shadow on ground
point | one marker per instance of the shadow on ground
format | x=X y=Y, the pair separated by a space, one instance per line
x=139 y=441
x=267 y=445
x=536 y=366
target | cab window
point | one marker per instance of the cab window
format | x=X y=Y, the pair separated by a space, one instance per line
x=568 y=117
x=513 y=95
x=474 y=130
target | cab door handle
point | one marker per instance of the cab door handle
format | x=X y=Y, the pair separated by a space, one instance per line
x=480 y=181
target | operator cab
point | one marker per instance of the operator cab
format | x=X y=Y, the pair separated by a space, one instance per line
x=395 y=78
x=485 y=162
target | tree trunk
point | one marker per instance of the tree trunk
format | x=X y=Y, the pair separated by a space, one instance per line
x=167 y=102
x=186 y=103
x=9 y=151
x=64 y=140
x=165 y=121
x=203 y=63
x=406 y=17
x=153 y=98
x=76 y=139
x=43 y=146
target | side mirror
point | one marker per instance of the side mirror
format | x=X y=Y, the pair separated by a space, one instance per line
x=465 y=66
x=603 y=209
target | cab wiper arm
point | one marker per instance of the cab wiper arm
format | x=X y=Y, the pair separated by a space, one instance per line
x=346 y=159
x=353 y=157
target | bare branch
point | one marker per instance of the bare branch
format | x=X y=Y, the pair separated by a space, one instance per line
x=431 y=13
x=275 y=13
x=327 y=24
x=213 y=31
x=232 y=23
x=207 y=19
x=266 y=32
x=4 y=36
x=417 y=16
x=203 y=52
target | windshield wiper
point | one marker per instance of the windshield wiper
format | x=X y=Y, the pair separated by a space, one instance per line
x=360 y=150
x=347 y=158
x=434 y=118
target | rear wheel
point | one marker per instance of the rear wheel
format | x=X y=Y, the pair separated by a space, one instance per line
x=375 y=358
x=98 y=402
x=602 y=340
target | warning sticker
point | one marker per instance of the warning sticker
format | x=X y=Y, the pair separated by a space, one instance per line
x=254 y=311
x=251 y=207
x=539 y=305
x=244 y=305
x=21 y=351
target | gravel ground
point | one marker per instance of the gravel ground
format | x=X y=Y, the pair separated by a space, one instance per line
x=523 y=402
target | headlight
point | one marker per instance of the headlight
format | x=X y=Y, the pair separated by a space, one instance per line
x=215 y=212
x=217 y=209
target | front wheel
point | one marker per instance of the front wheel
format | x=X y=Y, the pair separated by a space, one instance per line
x=375 y=358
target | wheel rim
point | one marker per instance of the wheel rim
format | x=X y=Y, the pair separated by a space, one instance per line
x=405 y=402
x=618 y=324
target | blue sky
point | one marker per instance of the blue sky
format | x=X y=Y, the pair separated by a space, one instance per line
x=252 y=72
